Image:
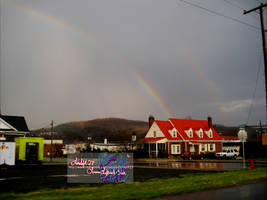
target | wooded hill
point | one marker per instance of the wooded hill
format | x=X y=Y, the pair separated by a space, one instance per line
x=114 y=129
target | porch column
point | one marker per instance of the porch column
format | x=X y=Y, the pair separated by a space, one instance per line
x=149 y=149
x=156 y=149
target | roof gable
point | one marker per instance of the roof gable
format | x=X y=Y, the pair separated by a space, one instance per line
x=154 y=131
x=5 y=126
x=13 y=123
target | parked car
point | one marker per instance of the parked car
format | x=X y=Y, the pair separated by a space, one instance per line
x=192 y=155
x=227 y=153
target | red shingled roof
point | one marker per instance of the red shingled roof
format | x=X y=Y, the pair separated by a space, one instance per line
x=165 y=127
x=151 y=139
x=183 y=125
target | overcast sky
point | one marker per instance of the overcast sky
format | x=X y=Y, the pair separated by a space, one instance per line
x=77 y=60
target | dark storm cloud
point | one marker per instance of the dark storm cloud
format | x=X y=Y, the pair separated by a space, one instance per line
x=74 y=60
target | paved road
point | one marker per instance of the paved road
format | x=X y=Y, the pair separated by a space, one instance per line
x=198 y=165
x=206 y=165
x=256 y=191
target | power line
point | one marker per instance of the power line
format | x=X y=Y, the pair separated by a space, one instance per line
x=254 y=92
x=0 y=57
x=237 y=6
x=233 y=4
x=220 y=14
x=259 y=1
x=260 y=8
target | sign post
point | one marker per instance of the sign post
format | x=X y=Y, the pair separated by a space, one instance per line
x=242 y=135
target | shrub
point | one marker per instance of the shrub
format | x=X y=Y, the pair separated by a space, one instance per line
x=141 y=153
x=163 y=154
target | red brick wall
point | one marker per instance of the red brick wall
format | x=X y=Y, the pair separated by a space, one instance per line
x=170 y=154
x=182 y=147
x=218 y=146
x=197 y=149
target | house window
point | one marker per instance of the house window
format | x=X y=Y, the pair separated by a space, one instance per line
x=201 y=133
x=174 y=134
x=175 y=148
x=202 y=147
x=190 y=133
x=154 y=134
x=210 y=133
x=211 y=147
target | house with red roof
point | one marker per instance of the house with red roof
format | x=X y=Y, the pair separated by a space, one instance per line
x=178 y=136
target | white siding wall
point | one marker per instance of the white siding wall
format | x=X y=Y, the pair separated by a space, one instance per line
x=154 y=128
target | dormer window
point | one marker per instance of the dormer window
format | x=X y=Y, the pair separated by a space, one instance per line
x=200 y=133
x=189 y=132
x=210 y=133
x=174 y=134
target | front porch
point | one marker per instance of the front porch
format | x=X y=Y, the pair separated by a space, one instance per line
x=154 y=148
x=173 y=149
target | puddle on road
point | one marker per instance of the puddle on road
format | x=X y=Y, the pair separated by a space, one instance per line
x=195 y=165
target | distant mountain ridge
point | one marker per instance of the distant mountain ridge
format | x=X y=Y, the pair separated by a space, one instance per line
x=114 y=129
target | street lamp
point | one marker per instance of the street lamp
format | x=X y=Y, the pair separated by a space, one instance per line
x=133 y=139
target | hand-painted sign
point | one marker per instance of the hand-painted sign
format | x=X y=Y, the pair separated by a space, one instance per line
x=100 y=167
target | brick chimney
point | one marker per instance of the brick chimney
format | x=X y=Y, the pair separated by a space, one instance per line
x=209 y=122
x=151 y=120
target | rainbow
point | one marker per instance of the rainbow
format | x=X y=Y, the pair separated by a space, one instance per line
x=207 y=83
x=53 y=19
x=153 y=93
x=63 y=23
x=186 y=55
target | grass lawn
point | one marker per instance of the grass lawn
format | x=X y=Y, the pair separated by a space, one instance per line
x=151 y=188
x=37 y=178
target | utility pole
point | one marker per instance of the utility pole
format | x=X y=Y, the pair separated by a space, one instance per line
x=1 y=55
x=263 y=46
x=51 y=146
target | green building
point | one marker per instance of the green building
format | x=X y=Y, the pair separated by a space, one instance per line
x=30 y=149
